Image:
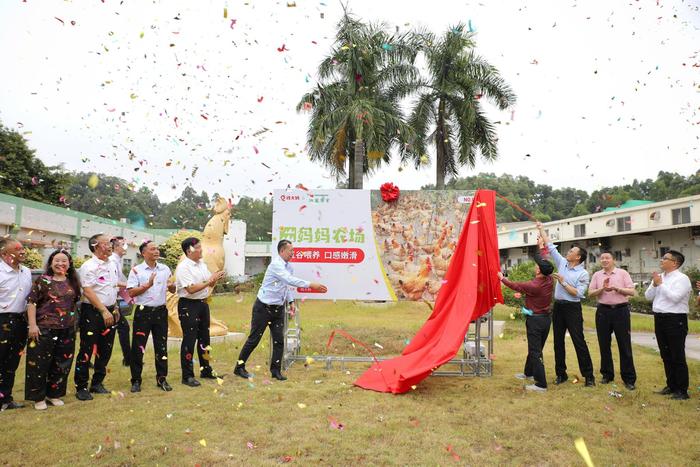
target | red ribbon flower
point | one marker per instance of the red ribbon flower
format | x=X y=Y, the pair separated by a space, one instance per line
x=390 y=192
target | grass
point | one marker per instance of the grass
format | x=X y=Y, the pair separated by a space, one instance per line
x=481 y=420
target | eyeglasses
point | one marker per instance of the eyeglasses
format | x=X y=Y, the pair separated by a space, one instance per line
x=666 y=258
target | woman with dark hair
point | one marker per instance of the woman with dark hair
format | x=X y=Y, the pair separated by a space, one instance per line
x=51 y=313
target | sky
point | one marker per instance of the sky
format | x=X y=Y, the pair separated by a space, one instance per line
x=170 y=93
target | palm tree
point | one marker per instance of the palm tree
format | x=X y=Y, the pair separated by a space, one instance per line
x=355 y=112
x=449 y=103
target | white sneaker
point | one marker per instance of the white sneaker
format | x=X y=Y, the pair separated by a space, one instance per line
x=532 y=387
x=55 y=402
x=522 y=376
x=41 y=405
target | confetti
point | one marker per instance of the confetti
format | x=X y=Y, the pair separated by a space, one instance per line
x=203 y=442
x=301 y=405
x=451 y=451
x=335 y=424
x=93 y=181
x=580 y=445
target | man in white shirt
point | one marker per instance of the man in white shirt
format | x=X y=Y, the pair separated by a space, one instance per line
x=15 y=285
x=670 y=292
x=194 y=282
x=123 y=300
x=148 y=283
x=98 y=314
x=268 y=309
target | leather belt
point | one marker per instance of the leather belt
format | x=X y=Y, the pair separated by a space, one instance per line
x=613 y=307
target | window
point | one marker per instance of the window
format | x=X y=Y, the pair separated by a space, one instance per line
x=525 y=237
x=680 y=216
x=592 y=259
x=624 y=224
x=127 y=264
x=663 y=250
x=580 y=230
x=618 y=255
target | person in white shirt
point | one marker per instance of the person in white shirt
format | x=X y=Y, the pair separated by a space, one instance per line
x=15 y=286
x=670 y=292
x=98 y=314
x=268 y=309
x=194 y=282
x=124 y=302
x=148 y=284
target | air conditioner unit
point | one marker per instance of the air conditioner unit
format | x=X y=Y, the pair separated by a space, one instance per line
x=610 y=223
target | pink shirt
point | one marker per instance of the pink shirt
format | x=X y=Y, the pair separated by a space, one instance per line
x=618 y=278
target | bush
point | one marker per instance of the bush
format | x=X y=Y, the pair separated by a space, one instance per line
x=33 y=260
x=522 y=272
x=227 y=284
x=639 y=304
x=79 y=260
x=171 y=249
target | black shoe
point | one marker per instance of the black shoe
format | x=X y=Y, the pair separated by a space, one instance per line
x=83 y=395
x=241 y=371
x=99 y=389
x=277 y=374
x=561 y=379
x=211 y=374
x=191 y=382
x=165 y=386
x=590 y=382
x=665 y=391
x=630 y=386
x=11 y=405
x=680 y=396
x=605 y=380
x=126 y=362
x=135 y=387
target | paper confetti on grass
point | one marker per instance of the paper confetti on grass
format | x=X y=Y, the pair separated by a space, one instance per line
x=335 y=424
x=203 y=442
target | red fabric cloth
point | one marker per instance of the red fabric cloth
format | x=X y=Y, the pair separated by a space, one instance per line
x=471 y=289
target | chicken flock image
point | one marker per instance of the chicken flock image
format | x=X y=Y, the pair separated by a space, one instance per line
x=417 y=235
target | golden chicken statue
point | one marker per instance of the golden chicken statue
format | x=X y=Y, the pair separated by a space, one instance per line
x=214 y=257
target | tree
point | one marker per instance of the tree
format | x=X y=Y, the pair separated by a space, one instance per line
x=448 y=112
x=257 y=214
x=113 y=198
x=355 y=112
x=23 y=174
x=189 y=211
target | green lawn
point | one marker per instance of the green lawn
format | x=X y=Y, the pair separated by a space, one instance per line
x=481 y=420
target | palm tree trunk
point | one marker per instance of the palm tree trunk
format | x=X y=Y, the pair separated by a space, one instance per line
x=440 y=168
x=351 y=170
x=440 y=148
x=359 y=161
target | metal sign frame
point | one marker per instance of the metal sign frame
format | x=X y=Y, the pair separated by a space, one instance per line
x=475 y=360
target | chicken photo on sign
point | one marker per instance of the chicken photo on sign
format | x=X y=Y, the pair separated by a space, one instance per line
x=417 y=235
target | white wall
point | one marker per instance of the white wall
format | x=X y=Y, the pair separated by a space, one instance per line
x=234 y=246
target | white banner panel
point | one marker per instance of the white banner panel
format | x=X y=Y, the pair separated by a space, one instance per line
x=333 y=241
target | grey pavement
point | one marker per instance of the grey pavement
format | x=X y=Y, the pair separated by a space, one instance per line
x=648 y=339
